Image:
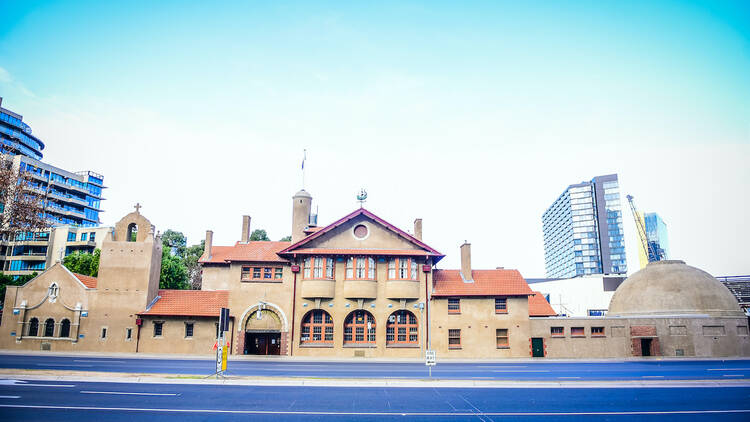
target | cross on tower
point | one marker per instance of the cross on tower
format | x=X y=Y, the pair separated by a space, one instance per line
x=137 y=207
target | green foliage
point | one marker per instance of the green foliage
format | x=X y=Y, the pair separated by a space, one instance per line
x=192 y=255
x=286 y=239
x=83 y=263
x=175 y=242
x=9 y=280
x=174 y=273
x=259 y=234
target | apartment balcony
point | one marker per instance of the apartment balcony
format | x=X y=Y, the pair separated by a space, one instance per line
x=37 y=176
x=28 y=257
x=81 y=244
x=69 y=187
x=317 y=289
x=360 y=289
x=402 y=289
x=68 y=199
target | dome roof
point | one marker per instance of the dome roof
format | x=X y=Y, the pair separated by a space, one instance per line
x=302 y=193
x=672 y=288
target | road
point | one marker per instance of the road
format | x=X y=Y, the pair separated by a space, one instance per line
x=77 y=401
x=526 y=370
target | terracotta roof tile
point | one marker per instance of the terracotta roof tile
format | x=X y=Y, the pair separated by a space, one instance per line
x=256 y=251
x=322 y=251
x=538 y=306
x=189 y=303
x=87 y=281
x=486 y=283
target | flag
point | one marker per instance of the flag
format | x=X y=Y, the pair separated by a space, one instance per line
x=304 y=157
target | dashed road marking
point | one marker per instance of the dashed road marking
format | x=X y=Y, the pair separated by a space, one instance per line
x=10 y=397
x=127 y=393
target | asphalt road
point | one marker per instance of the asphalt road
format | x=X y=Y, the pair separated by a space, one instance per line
x=527 y=370
x=80 y=401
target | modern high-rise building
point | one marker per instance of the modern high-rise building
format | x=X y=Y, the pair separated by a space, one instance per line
x=70 y=199
x=583 y=230
x=656 y=235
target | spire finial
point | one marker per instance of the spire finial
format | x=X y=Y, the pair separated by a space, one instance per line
x=137 y=207
x=362 y=197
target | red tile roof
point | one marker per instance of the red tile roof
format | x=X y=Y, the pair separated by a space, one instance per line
x=87 y=281
x=486 y=283
x=255 y=251
x=538 y=306
x=361 y=211
x=189 y=303
x=321 y=251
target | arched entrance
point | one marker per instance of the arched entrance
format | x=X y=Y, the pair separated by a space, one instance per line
x=263 y=333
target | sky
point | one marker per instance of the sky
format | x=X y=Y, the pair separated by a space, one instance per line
x=472 y=116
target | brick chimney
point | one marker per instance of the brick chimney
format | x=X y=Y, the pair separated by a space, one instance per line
x=418 y=228
x=466 y=262
x=209 y=243
x=245 y=229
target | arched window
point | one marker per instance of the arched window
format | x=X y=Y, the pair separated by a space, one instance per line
x=402 y=328
x=65 y=328
x=33 y=327
x=317 y=327
x=132 y=232
x=359 y=328
x=49 y=327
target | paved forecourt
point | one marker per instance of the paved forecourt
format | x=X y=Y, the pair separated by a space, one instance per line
x=656 y=369
x=76 y=401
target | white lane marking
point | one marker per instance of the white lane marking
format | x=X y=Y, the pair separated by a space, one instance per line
x=99 y=361
x=501 y=367
x=652 y=376
x=11 y=382
x=10 y=397
x=63 y=364
x=45 y=385
x=732 y=375
x=524 y=370
x=334 y=413
x=128 y=393
x=728 y=369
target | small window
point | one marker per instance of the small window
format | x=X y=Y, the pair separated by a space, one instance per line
x=597 y=331
x=128 y=333
x=502 y=338
x=83 y=237
x=92 y=236
x=188 y=329
x=278 y=273
x=577 y=332
x=71 y=236
x=267 y=273
x=104 y=333
x=245 y=273
x=454 y=306
x=454 y=339
x=501 y=305
x=557 y=331
x=256 y=273
x=158 y=326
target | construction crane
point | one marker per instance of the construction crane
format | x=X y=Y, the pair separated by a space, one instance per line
x=651 y=253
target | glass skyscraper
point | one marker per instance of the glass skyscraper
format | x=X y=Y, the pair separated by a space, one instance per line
x=656 y=234
x=583 y=230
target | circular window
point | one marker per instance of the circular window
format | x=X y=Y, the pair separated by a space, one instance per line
x=360 y=231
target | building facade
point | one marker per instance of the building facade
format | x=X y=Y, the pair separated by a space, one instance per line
x=656 y=236
x=69 y=199
x=583 y=232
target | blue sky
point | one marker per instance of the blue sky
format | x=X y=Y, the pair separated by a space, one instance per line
x=473 y=116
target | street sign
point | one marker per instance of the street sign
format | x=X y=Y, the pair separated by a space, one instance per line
x=429 y=358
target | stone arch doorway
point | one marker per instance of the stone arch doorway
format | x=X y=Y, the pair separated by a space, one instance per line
x=263 y=333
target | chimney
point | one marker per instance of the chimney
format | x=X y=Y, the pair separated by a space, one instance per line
x=245 y=229
x=209 y=243
x=418 y=228
x=466 y=262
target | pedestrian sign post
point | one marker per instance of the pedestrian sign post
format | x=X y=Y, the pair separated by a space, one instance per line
x=429 y=360
x=222 y=348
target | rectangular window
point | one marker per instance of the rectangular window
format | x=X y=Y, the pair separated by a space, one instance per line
x=267 y=273
x=360 y=268
x=104 y=332
x=92 y=236
x=329 y=267
x=261 y=273
x=577 y=332
x=402 y=269
x=501 y=305
x=71 y=236
x=502 y=338
x=454 y=339
x=278 y=273
x=319 y=268
x=597 y=331
x=188 y=329
x=83 y=237
x=158 y=328
x=306 y=266
x=557 y=331
x=256 y=273
x=128 y=333
x=454 y=306
x=392 y=269
x=245 y=274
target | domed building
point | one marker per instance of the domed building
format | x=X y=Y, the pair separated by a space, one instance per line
x=666 y=309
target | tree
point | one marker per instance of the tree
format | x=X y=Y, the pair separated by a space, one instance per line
x=259 y=234
x=175 y=242
x=174 y=274
x=21 y=206
x=192 y=255
x=286 y=239
x=9 y=280
x=83 y=263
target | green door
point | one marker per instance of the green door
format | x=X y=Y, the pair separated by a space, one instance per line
x=537 y=347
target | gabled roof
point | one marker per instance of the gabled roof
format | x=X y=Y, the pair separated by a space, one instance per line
x=297 y=247
x=207 y=303
x=498 y=282
x=87 y=281
x=538 y=306
x=254 y=251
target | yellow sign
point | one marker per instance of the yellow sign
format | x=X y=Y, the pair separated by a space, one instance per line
x=224 y=358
